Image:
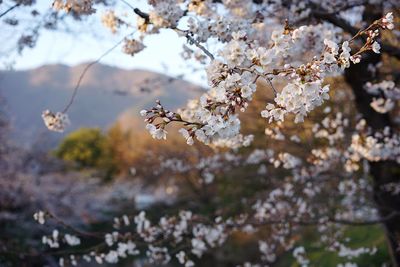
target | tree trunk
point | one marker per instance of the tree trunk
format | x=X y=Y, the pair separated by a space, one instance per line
x=382 y=172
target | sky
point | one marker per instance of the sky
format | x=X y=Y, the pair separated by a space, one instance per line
x=90 y=39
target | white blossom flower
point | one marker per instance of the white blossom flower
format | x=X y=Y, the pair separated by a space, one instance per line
x=156 y=133
x=39 y=217
x=187 y=136
x=158 y=255
x=166 y=13
x=55 y=122
x=72 y=240
x=77 y=6
x=376 y=47
x=388 y=21
x=198 y=247
x=382 y=105
x=132 y=47
x=110 y=20
x=299 y=254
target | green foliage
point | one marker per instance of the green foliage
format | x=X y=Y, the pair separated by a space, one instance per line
x=87 y=147
x=358 y=236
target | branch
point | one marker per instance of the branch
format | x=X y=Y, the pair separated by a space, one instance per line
x=71 y=101
x=8 y=10
x=142 y=14
x=197 y=43
x=272 y=86
x=72 y=228
x=339 y=22
x=347 y=27
x=138 y=12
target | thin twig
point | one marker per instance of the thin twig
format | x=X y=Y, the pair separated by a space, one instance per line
x=272 y=86
x=77 y=231
x=320 y=13
x=197 y=43
x=86 y=69
x=8 y=10
x=127 y=3
x=138 y=12
x=263 y=75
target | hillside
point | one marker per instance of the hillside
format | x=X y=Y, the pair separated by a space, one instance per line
x=105 y=94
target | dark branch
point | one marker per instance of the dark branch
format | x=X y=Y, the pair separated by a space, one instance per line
x=142 y=14
x=8 y=10
x=138 y=12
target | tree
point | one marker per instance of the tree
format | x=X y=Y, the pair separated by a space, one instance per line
x=87 y=147
x=257 y=45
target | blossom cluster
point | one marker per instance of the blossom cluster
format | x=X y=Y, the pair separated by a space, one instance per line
x=132 y=46
x=55 y=122
x=382 y=145
x=111 y=21
x=331 y=128
x=165 y=14
x=233 y=83
x=53 y=240
x=385 y=95
x=77 y=7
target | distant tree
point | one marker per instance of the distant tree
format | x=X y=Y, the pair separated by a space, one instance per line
x=87 y=147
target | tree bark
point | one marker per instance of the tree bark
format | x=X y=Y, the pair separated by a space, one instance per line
x=382 y=172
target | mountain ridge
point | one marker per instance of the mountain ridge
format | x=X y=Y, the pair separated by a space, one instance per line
x=105 y=93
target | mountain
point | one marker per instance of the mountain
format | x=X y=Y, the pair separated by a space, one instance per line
x=105 y=94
